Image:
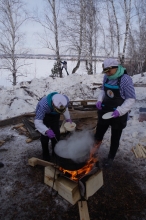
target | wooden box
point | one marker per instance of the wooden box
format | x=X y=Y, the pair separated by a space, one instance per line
x=68 y=189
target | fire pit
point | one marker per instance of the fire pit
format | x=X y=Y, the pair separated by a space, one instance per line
x=76 y=184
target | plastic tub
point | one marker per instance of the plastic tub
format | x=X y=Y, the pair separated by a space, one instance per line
x=70 y=126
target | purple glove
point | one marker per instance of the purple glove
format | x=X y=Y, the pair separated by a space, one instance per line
x=116 y=114
x=98 y=105
x=50 y=133
x=69 y=120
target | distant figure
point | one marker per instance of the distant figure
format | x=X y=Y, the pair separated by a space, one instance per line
x=64 y=66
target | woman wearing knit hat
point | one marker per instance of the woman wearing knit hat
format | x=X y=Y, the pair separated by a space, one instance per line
x=117 y=95
x=47 y=118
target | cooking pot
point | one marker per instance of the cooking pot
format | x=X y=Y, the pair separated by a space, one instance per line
x=72 y=161
x=69 y=164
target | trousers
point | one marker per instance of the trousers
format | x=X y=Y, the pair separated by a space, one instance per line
x=117 y=125
x=52 y=122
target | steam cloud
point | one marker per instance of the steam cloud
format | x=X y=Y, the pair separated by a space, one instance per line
x=76 y=147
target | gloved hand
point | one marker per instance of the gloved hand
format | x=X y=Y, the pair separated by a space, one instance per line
x=50 y=133
x=69 y=120
x=116 y=114
x=98 y=105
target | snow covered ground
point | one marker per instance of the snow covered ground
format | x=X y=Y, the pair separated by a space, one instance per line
x=23 y=99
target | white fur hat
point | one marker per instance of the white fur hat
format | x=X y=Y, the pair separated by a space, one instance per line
x=59 y=101
x=110 y=62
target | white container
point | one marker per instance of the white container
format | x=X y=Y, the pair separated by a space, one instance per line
x=70 y=126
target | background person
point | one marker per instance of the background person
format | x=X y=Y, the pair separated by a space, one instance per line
x=47 y=118
x=64 y=66
x=117 y=95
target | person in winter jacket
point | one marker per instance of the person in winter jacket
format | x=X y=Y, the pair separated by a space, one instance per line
x=118 y=96
x=64 y=66
x=47 y=118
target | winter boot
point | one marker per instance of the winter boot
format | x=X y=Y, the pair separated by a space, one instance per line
x=107 y=162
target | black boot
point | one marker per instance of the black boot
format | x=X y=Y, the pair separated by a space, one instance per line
x=1 y=165
x=107 y=163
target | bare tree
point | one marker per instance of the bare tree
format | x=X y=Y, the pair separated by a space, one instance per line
x=12 y=17
x=72 y=29
x=119 y=15
x=89 y=33
x=50 y=22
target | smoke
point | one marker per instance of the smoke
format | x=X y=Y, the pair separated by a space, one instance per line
x=76 y=147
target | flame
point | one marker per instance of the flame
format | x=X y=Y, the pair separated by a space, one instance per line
x=76 y=174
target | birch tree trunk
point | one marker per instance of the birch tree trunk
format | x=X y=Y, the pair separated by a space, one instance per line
x=79 y=51
x=117 y=29
x=49 y=20
x=127 y=10
x=53 y=6
x=12 y=17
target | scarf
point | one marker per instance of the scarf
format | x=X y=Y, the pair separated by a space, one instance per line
x=49 y=99
x=119 y=72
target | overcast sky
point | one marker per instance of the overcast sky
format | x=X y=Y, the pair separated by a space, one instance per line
x=32 y=28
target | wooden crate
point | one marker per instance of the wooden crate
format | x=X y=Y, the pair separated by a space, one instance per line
x=68 y=189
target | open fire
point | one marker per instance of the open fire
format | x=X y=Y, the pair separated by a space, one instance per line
x=77 y=174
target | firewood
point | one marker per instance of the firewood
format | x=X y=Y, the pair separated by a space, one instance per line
x=139 y=151
x=29 y=140
x=22 y=128
x=1 y=143
x=135 y=152
x=18 y=125
x=143 y=151
x=83 y=210
x=35 y=161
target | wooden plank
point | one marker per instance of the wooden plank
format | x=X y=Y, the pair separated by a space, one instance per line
x=81 y=101
x=135 y=153
x=83 y=210
x=94 y=183
x=35 y=161
x=50 y=182
x=74 y=115
x=31 y=129
x=68 y=190
x=18 y=126
x=143 y=151
x=50 y=171
x=81 y=114
x=15 y=120
x=139 y=151
x=139 y=85
x=29 y=140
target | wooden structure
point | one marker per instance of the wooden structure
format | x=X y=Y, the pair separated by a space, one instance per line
x=78 y=110
x=69 y=189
